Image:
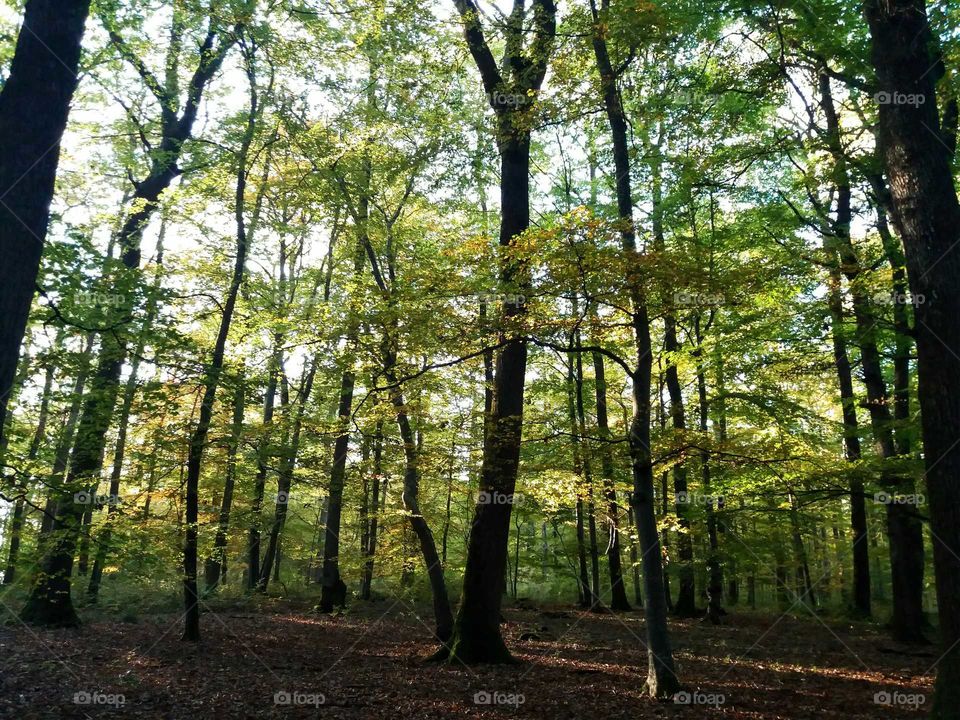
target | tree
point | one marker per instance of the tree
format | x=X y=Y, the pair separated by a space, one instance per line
x=511 y=91
x=661 y=676
x=926 y=213
x=34 y=104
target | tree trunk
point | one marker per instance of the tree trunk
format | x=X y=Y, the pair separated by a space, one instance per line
x=370 y=550
x=213 y=373
x=662 y=680
x=477 y=636
x=903 y=525
x=34 y=104
x=263 y=447
x=618 y=593
x=715 y=609
x=285 y=479
x=215 y=568
x=50 y=602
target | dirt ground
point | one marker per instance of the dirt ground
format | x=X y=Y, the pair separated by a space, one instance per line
x=368 y=663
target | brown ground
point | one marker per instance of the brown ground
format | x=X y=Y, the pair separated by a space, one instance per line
x=367 y=664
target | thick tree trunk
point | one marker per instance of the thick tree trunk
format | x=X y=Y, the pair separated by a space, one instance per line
x=34 y=104
x=477 y=636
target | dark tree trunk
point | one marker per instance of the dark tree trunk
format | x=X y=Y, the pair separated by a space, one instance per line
x=662 y=680
x=370 y=550
x=618 y=593
x=215 y=567
x=686 y=603
x=851 y=439
x=34 y=104
x=581 y=432
x=903 y=524
x=581 y=470
x=213 y=373
x=411 y=488
x=477 y=636
x=715 y=609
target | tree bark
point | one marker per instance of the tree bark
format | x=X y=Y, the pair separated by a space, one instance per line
x=34 y=104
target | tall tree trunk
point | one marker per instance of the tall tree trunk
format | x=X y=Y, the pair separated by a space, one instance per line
x=477 y=636
x=215 y=567
x=618 y=593
x=260 y=481
x=49 y=602
x=285 y=479
x=662 y=680
x=214 y=371
x=443 y=615
x=34 y=104
x=715 y=609
x=903 y=524
x=581 y=433
x=370 y=550
x=851 y=440
x=686 y=603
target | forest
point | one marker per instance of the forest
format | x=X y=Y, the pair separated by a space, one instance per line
x=479 y=359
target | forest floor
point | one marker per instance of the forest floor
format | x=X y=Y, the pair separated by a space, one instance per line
x=368 y=663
